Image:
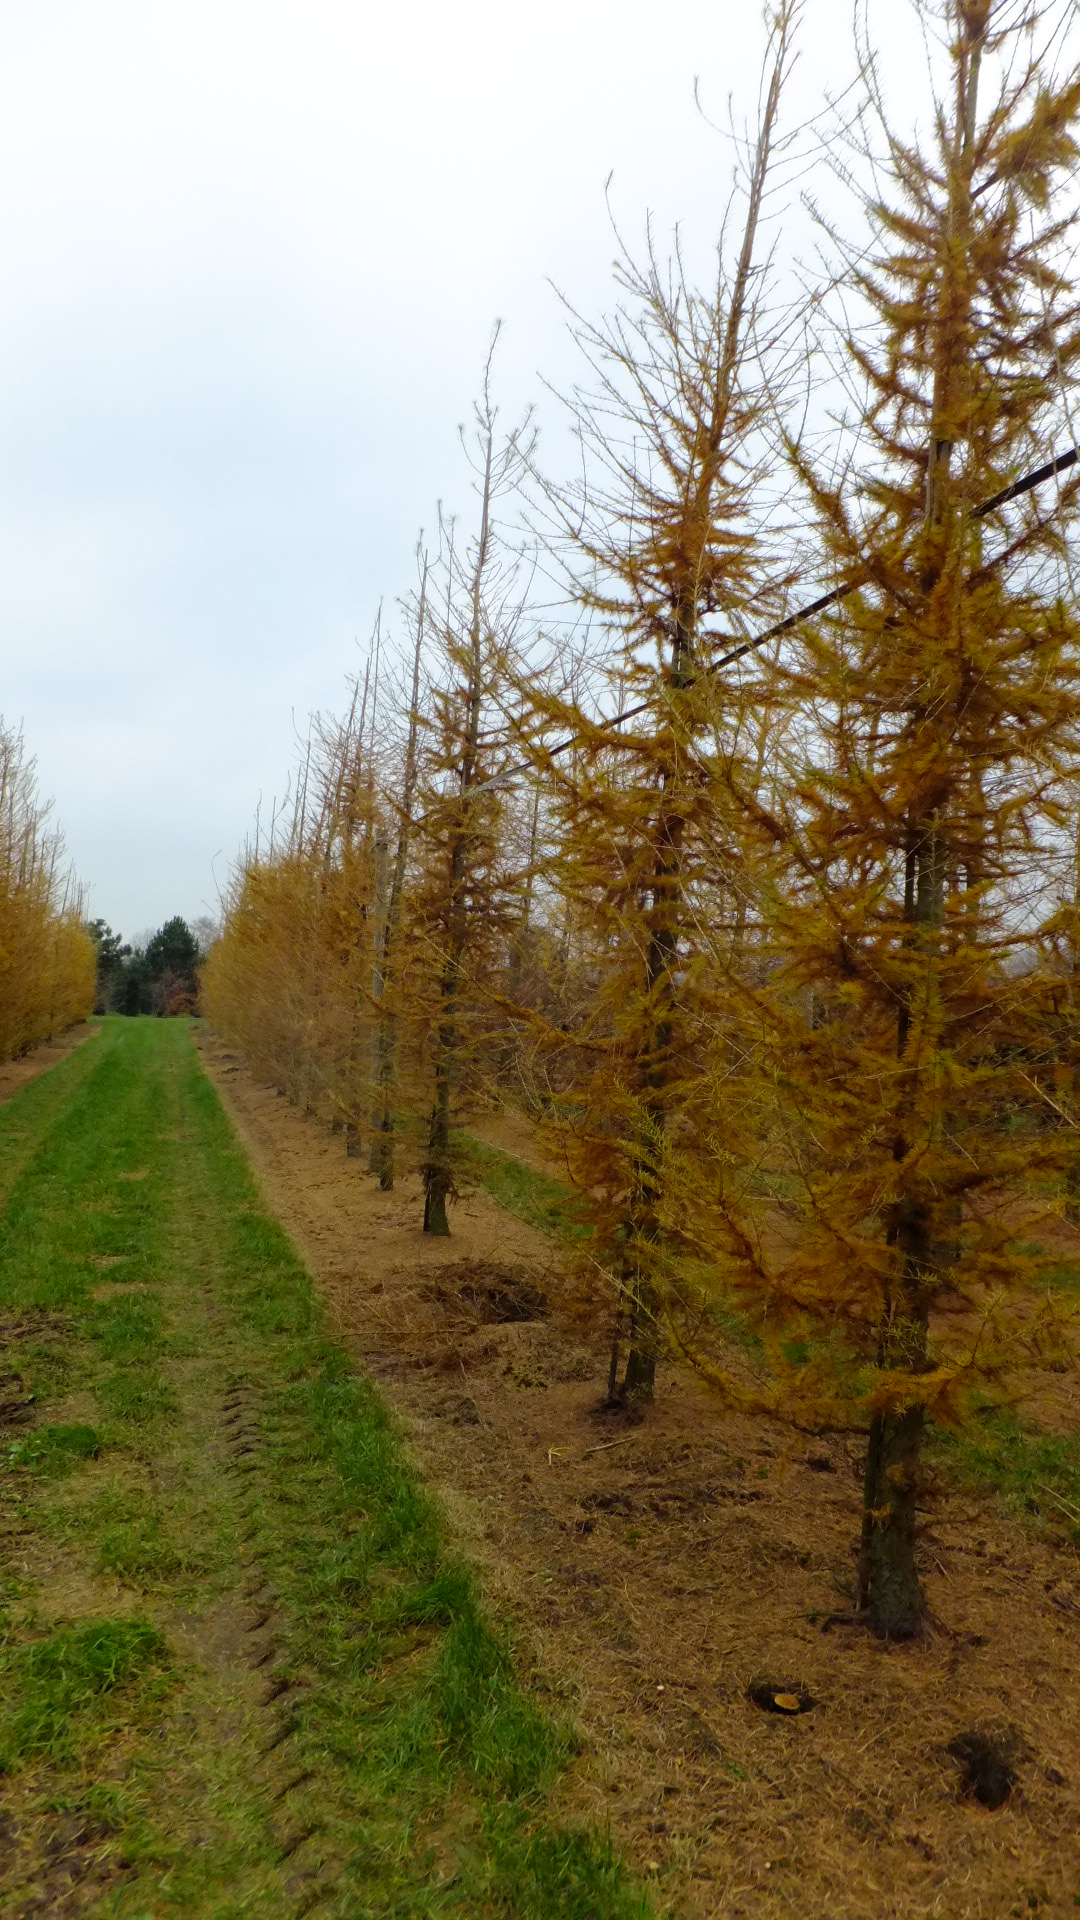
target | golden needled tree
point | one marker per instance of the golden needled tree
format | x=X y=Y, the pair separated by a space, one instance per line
x=460 y=908
x=899 y=1016
x=47 y=959
x=666 y=535
x=288 y=979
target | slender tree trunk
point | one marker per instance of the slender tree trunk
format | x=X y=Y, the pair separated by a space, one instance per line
x=889 y=1589
x=381 y=913
x=655 y=1065
x=1072 y=1172
x=890 y=1592
x=521 y=932
x=644 y=1225
x=381 y=1160
x=639 y=1378
x=438 y=1171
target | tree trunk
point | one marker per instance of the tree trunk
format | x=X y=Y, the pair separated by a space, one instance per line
x=655 y=1065
x=438 y=1177
x=438 y=1171
x=379 y=1077
x=889 y=1589
x=639 y=1379
x=1072 y=1171
x=1072 y=1187
x=381 y=1160
x=381 y=1157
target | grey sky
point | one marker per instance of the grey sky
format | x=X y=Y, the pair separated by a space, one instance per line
x=251 y=254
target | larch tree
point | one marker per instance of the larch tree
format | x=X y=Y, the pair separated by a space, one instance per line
x=289 y=978
x=898 y=1025
x=667 y=537
x=460 y=906
x=48 y=962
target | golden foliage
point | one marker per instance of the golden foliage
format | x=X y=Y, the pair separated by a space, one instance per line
x=47 y=958
x=791 y=962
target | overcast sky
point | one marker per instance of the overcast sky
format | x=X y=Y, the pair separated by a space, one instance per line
x=250 y=256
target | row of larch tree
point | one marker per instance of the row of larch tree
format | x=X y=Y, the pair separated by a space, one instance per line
x=769 y=915
x=47 y=958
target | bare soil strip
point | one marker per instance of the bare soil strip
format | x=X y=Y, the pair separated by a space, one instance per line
x=662 y=1572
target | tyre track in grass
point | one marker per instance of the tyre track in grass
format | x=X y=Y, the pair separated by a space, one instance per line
x=276 y=1772
x=152 y=1379
x=70 y=1860
x=277 y=1768
x=326 y=1723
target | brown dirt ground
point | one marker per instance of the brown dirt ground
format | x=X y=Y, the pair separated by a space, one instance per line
x=654 y=1573
x=14 y=1074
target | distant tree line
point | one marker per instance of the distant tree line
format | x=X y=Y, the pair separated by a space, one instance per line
x=158 y=975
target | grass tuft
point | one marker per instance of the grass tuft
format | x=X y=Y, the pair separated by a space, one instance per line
x=48 y=1690
x=133 y=1543
x=129 y=1327
x=498 y=1730
x=135 y=1394
x=53 y=1451
x=572 y=1873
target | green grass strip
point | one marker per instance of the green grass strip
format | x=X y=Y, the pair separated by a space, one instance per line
x=1032 y=1472
x=27 y=1117
x=529 y=1195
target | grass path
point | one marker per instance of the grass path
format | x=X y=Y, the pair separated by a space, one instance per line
x=242 y=1672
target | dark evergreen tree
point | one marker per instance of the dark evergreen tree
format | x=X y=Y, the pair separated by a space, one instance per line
x=112 y=957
